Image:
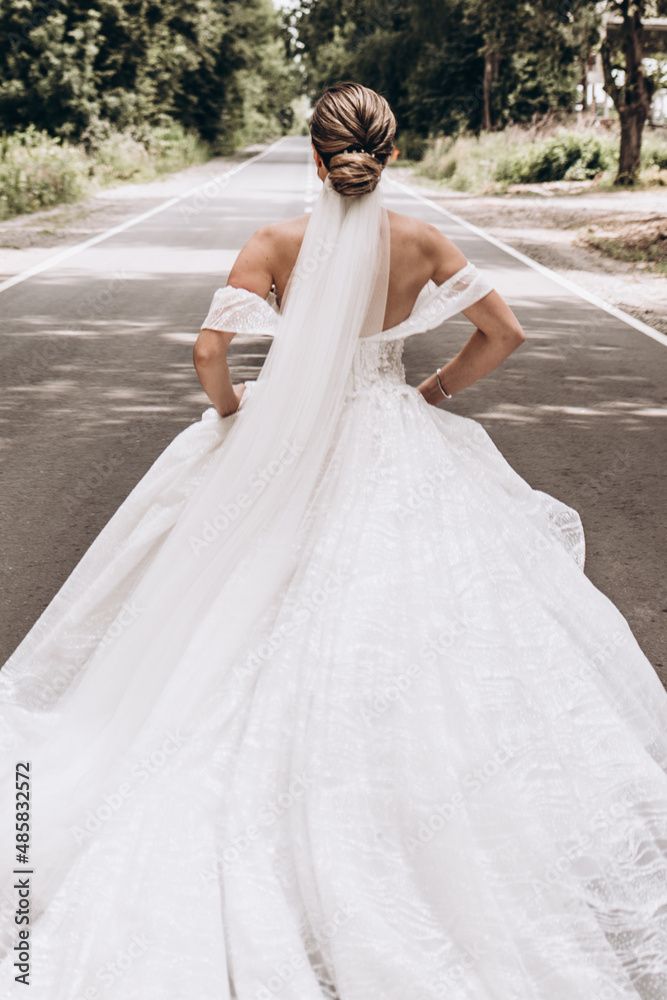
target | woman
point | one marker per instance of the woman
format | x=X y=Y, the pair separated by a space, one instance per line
x=330 y=709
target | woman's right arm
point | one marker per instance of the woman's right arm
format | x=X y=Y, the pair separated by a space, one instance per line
x=498 y=332
x=252 y=271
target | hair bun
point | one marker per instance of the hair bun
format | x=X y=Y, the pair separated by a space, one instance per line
x=354 y=173
x=352 y=129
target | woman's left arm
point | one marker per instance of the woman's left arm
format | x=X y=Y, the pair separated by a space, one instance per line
x=252 y=270
x=498 y=333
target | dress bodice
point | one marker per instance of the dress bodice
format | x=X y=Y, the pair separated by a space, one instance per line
x=236 y=310
x=377 y=364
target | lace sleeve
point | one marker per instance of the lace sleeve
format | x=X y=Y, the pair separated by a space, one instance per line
x=236 y=310
x=432 y=308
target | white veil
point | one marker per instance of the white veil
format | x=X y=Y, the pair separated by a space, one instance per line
x=231 y=550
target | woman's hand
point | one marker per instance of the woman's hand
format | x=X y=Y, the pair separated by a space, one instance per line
x=238 y=392
x=430 y=390
x=234 y=401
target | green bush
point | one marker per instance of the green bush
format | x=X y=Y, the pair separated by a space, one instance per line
x=465 y=163
x=38 y=171
x=654 y=151
x=543 y=152
x=566 y=156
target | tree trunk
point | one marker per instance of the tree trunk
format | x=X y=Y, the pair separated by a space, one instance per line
x=633 y=99
x=489 y=73
x=630 y=154
x=584 y=86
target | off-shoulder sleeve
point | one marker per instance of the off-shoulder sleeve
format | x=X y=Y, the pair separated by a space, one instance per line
x=435 y=306
x=236 y=310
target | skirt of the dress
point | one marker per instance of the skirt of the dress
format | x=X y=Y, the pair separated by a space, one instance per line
x=438 y=768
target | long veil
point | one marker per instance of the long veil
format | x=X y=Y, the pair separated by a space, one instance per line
x=224 y=562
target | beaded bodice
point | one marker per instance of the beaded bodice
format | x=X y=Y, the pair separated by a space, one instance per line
x=377 y=364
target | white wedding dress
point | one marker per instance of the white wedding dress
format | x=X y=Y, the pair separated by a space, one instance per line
x=402 y=750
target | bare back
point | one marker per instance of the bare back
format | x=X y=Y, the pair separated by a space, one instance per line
x=419 y=252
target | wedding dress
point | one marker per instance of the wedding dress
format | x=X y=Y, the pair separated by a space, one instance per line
x=329 y=709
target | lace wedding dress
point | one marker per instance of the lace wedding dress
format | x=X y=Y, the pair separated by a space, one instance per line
x=362 y=729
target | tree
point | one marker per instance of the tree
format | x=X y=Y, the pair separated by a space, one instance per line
x=632 y=98
x=581 y=23
x=442 y=64
x=136 y=63
x=500 y=25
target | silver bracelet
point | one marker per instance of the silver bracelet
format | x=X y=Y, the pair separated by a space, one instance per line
x=444 y=392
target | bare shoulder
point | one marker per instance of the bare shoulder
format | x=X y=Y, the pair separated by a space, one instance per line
x=425 y=241
x=260 y=262
x=282 y=236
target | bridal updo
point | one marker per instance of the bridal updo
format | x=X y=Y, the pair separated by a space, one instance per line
x=353 y=128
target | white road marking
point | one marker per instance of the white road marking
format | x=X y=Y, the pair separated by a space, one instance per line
x=571 y=286
x=58 y=258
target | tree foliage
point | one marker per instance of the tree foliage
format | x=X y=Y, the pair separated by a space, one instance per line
x=67 y=64
x=443 y=64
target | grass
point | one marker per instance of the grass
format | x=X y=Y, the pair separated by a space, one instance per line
x=39 y=171
x=637 y=243
x=545 y=152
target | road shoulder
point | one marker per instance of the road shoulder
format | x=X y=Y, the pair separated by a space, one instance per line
x=28 y=240
x=551 y=231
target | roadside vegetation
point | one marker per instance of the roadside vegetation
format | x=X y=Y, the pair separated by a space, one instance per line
x=92 y=95
x=643 y=243
x=548 y=158
x=39 y=171
x=542 y=153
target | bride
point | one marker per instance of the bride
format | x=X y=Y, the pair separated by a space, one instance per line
x=330 y=709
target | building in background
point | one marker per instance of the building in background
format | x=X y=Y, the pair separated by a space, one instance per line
x=655 y=60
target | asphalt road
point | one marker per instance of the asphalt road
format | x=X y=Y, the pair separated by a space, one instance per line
x=97 y=379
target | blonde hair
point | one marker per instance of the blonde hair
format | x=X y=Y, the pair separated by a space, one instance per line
x=353 y=128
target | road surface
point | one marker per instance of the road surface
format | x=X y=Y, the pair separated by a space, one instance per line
x=97 y=379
